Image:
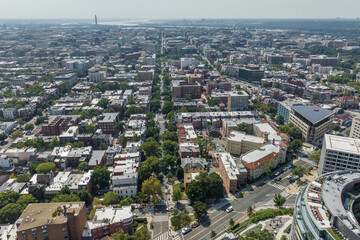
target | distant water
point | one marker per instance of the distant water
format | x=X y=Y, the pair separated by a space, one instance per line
x=125 y=22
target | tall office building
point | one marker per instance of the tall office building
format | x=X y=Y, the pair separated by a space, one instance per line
x=339 y=153
x=313 y=121
x=355 y=127
x=95 y=20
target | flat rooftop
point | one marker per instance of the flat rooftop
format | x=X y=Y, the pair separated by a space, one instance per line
x=240 y=136
x=343 y=144
x=259 y=153
x=39 y=214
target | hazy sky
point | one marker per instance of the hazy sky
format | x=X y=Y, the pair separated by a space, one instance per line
x=156 y=9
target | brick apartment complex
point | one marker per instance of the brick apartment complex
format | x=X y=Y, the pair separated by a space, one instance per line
x=219 y=83
x=232 y=173
x=52 y=221
x=58 y=124
x=107 y=122
x=195 y=78
x=181 y=88
x=189 y=149
x=323 y=60
x=107 y=221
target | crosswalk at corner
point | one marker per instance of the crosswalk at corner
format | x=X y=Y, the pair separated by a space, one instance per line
x=276 y=185
x=165 y=236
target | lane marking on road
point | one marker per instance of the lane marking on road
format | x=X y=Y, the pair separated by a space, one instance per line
x=210 y=225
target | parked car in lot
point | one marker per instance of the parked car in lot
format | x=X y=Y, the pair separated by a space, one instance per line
x=229 y=209
x=185 y=230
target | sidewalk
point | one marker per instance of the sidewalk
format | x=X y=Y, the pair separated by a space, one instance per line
x=281 y=230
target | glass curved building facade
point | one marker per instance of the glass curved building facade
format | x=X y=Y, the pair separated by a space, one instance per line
x=323 y=209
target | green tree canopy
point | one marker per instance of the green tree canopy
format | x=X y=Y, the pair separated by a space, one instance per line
x=214 y=101
x=29 y=127
x=152 y=189
x=11 y=212
x=84 y=195
x=84 y=166
x=110 y=198
x=151 y=148
x=199 y=209
x=315 y=156
x=103 y=103
x=167 y=107
x=167 y=135
x=133 y=110
x=54 y=143
x=23 y=178
x=46 y=167
x=279 y=200
x=101 y=176
x=26 y=199
x=258 y=235
x=169 y=146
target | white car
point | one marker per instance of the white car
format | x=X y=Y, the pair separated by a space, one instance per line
x=185 y=230
x=229 y=209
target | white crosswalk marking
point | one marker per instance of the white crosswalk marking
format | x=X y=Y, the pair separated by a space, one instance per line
x=276 y=185
x=177 y=237
x=163 y=236
x=284 y=194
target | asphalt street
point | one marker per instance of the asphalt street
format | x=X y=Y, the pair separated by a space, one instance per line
x=260 y=195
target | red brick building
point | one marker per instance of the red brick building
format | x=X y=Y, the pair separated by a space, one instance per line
x=107 y=122
x=107 y=221
x=181 y=88
x=52 y=221
x=58 y=124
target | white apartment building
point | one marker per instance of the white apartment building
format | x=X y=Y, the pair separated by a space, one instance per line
x=6 y=162
x=10 y=113
x=238 y=100
x=355 y=127
x=97 y=74
x=339 y=153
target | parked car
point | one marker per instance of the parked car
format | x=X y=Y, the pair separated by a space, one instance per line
x=195 y=224
x=185 y=230
x=229 y=209
x=277 y=174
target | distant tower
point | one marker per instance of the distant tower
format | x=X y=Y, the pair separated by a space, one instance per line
x=95 y=20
